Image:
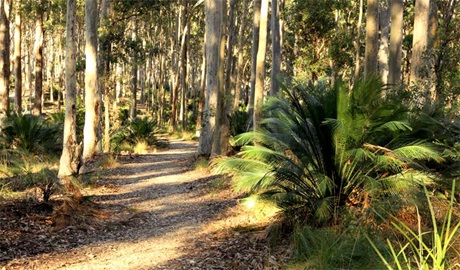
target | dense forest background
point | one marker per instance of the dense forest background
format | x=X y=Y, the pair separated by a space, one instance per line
x=329 y=108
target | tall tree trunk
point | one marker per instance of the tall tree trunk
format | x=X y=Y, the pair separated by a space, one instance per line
x=70 y=157
x=104 y=70
x=5 y=6
x=358 y=40
x=432 y=37
x=202 y=91
x=92 y=98
x=240 y=61
x=134 y=78
x=221 y=131
x=183 y=64
x=260 y=65
x=38 y=51
x=372 y=38
x=255 y=47
x=419 y=66
x=276 y=49
x=396 y=35
x=213 y=12
x=384 y=7
x=17 y=60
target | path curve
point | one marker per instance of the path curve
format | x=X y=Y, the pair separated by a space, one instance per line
x=162 y=205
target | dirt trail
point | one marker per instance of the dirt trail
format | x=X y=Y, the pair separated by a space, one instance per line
x=164 y=216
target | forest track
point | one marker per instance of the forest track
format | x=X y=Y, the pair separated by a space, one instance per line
x=159 y=213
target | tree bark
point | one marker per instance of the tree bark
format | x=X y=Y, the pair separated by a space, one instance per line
x=92 y=97
x=134 y=78
x=255 y=47
x=419 y=65
x=240 y=61
x=104 y=70
x=384 y=7
x=70 y=157
x=276 y=49
x=5 y=6
x=38 y=51
x=213 y=12
x=358 y=41
x=260 y=65
x=372 y=38
x=396 y=36
x=17 y=60
x=202 y=91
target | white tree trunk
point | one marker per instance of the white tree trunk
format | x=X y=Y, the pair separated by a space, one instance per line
x=260 y=65
x=372 y=37
x=213 y=11
x=92 y=97
x=70 y=153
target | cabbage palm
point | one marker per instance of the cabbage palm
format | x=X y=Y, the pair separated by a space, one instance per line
x=319 y=149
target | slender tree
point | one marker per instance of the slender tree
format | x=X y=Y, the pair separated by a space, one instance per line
x=240 y=61
x=92 y=97
x=17 y=59
x=276 y=48
x=396 y=35
x=70 y=157
x=384 y=22
x=5 y=6
x=419 y=65
x=213 y=12
x=254 y=49
x=372 y=38
x=260 y=64
x=38 y=52
x=358 y=40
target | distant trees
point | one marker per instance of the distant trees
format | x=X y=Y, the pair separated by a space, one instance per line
x=160 y=66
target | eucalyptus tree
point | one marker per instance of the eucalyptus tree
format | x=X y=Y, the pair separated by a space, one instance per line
x=70 y=157
x=396 y=37
x=38 y=53
x=213 y=13
x=384 y=22
x=17 y=59
x=5 y=12
x=276 y=47
x=419 y=65
x=372 y=38
x=260 y=64
x=91 y=140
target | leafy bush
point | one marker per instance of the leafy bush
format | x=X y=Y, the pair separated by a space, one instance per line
x=320 y=149
x=134 y=131
x=239 y=121
x=31 y=133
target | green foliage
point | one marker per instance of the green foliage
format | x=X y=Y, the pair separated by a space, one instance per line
x=415 y=251
x=239 y=121
x=31 y=133
x=325 y=249
x=320 y=149
x=134 y=131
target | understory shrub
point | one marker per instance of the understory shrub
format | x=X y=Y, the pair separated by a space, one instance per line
x=319 y=150
x=133 y=132
x=31 y=133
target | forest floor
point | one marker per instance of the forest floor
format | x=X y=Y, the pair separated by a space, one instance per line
x=152 y=211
